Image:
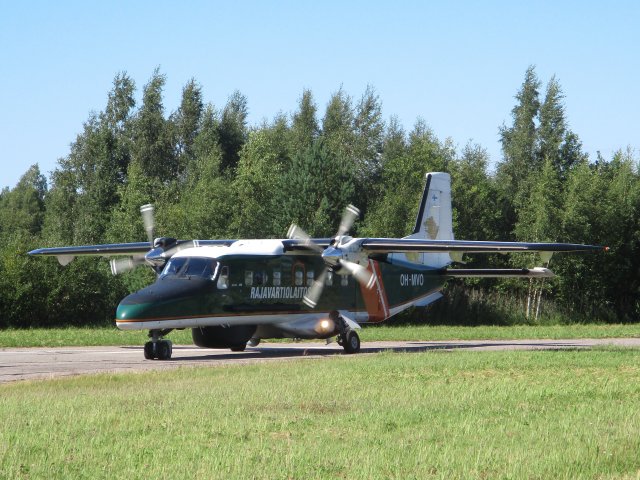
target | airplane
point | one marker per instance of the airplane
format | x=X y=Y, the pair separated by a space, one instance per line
x=235 y=293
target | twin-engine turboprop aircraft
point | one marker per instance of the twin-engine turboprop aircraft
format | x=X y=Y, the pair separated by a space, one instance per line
x=233 y=293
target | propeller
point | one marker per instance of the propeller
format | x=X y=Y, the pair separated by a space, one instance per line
x=126 y=264
x=332 y=262
x=160 y=250
x=315 y=290
x=296 y=233
x=149 y=221
x=349 y=217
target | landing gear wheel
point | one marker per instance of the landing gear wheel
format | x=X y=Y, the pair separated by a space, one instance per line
x=164 y=350
x=351 y=342
x=148 y=351
x=158 y=348
x=238 y=348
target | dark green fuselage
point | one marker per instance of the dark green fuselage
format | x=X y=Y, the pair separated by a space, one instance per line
x=257 y=289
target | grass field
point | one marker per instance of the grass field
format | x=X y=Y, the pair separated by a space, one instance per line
x=553 y=414
x=58 y=337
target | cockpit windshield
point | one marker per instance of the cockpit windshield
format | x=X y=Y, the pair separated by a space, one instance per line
x=188 y=267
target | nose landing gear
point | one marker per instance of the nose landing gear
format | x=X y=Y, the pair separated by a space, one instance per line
x=157 y=347
x=347 y=337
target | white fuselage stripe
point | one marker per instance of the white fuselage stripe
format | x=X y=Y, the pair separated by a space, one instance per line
x=272 y=318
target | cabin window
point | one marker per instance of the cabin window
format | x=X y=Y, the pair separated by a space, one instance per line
x=328 y=280
x=298 y=275
x=260 y=278
x=344 y=280
x=248 y=278
x=310 y=275
x=223 y=279
x=277 y=279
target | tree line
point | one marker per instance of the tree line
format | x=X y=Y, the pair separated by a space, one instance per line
x=212 y=175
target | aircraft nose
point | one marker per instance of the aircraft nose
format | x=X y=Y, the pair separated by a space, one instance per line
x=161 y=302
x=135 y=306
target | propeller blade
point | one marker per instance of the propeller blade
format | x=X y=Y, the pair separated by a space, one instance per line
x=123 y=265
x=361 y=274
x=349 y=216
x=296 y=233
x=148 y=220
x=315 y=291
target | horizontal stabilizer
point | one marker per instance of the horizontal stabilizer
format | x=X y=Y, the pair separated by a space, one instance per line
x=537 y=272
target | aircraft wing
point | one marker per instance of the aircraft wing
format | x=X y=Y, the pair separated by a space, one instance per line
x=402 y=245
x=106 y=249
x=67 y=254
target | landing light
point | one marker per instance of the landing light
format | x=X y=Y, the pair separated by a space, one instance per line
x=324 y=326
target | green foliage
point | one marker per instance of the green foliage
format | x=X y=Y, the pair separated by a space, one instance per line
x=232 y=130
x=337 y=124
x=153 y=147
x=473 y=195
x=256 y=185
x=304 y=125
x=519 y=142
x=394 y=211
x=211 y=175
x=22 y=209
x=314 y=189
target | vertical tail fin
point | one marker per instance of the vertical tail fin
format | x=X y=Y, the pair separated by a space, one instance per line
x=435 y=218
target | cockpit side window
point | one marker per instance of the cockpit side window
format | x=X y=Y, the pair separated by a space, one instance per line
x=199 y=267
x=173 y=267
x=187 y=267
x=223 y=279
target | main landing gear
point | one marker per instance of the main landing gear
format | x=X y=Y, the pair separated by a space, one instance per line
x=347 y=337
x=157 y=347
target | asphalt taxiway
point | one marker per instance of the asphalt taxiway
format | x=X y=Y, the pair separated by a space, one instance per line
x=42 y=363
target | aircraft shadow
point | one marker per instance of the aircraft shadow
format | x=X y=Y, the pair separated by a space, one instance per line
x=273 y=352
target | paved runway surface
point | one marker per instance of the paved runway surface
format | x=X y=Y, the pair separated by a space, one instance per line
x=38 y=363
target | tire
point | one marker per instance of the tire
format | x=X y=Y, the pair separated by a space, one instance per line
x=164 y=350
x=238 y=348
x=148 y=351
x=351 y=342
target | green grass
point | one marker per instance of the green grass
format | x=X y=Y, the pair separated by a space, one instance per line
x=81 y=337
x=489 y=332
x=58 y=337
x=553 y=414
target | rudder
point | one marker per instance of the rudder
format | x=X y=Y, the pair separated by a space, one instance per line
x=435 y=217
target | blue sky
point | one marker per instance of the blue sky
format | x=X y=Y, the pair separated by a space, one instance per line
x=455 y=64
